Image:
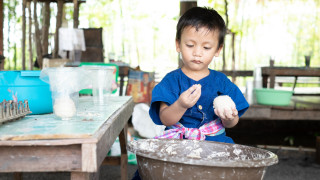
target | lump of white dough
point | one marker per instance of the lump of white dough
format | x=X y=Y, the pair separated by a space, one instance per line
x=223 y=102
x=64 y=107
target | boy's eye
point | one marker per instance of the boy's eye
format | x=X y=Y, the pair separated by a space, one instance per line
x=189 y=45
x=207 y=48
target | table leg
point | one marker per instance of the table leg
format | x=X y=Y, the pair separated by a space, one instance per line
x=272 y=80
x=121 y=86
x=264 y=81
x=84 y=176
x=295 y=82
x=17 y=176
x=124 y=155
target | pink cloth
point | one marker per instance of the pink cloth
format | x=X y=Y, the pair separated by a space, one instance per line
x=178 y=131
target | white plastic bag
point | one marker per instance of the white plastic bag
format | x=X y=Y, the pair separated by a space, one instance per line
x=143 y=123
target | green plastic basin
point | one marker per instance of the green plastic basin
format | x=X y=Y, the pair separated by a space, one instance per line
x=273 y=97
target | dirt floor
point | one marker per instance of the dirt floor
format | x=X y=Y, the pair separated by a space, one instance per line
x=293 y=165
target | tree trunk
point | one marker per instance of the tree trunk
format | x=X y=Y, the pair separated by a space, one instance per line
x=30 y=37
x=233 y=56
x=37 y=35
x=224 y=47
x=24 y=35
x=58 y=25
x=45 y=27
x=76 y=14
x=185 y=6
x=1 y=34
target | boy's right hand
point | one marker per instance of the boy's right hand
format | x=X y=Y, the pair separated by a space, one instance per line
x=189 y=98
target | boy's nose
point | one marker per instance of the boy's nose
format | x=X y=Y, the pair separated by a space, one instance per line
x=197 y=52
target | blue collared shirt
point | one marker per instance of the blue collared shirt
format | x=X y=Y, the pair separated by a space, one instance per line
x=213 y=85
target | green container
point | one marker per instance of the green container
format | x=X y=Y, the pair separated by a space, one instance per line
x=273 y=97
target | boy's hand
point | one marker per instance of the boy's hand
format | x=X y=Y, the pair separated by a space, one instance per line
x=189 y=98
x=225 y=108
x=227 y=113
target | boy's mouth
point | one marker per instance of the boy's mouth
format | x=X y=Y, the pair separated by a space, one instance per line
x=196 y=62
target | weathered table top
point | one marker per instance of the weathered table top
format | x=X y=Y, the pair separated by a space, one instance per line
x=43 y=143
x=300 y=108
x=89 y=118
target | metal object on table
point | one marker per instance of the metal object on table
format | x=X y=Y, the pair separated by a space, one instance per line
x=10 y=110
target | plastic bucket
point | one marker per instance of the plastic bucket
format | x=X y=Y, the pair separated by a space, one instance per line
x=273 y=97
x=192 y=159
x=26 y=85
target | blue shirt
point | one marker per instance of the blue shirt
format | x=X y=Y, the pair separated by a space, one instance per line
x=213 y=85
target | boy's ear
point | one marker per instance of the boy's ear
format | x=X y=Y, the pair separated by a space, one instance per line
x=218 y=51
x=178 y=46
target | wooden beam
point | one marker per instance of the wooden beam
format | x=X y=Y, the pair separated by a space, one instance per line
x=238 y=73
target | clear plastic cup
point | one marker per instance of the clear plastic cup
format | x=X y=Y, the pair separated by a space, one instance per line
x=101 y=77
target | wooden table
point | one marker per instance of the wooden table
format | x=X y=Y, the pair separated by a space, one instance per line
x=44 y=143
x=272 y=72
x=300 y=108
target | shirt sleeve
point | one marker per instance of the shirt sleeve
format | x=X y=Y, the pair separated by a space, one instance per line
x=162 y=92
x=236 y=95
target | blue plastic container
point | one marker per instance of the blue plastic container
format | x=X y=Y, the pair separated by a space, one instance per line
x=23 y=85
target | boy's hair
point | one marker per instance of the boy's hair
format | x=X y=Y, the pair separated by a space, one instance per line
x=199 y=17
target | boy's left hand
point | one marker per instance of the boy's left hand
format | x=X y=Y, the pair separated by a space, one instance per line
x=226 y=113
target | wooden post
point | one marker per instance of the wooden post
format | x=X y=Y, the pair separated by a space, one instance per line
x=37 y=34
x=23 y=34
x=76 y=14
x=30 y=37
x=58 y=25
x=1 y=33
x=185 y=5
x=45 y=27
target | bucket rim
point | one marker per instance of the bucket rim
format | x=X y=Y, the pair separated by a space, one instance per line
x=213 y=162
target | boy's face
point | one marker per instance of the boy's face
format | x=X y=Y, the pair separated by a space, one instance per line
x=198 y=48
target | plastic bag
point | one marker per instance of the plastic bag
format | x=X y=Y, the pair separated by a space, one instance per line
x=143 y=123
x=65 y=84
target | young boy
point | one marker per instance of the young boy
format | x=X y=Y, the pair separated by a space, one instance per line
x=184 y=98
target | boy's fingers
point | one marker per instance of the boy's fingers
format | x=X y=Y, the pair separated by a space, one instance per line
x=228 y=114
x=235 y=111
x=191 y=89
x=221 y=114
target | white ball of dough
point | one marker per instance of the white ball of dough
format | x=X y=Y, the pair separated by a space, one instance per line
x=223 y=102
x=64 y=107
